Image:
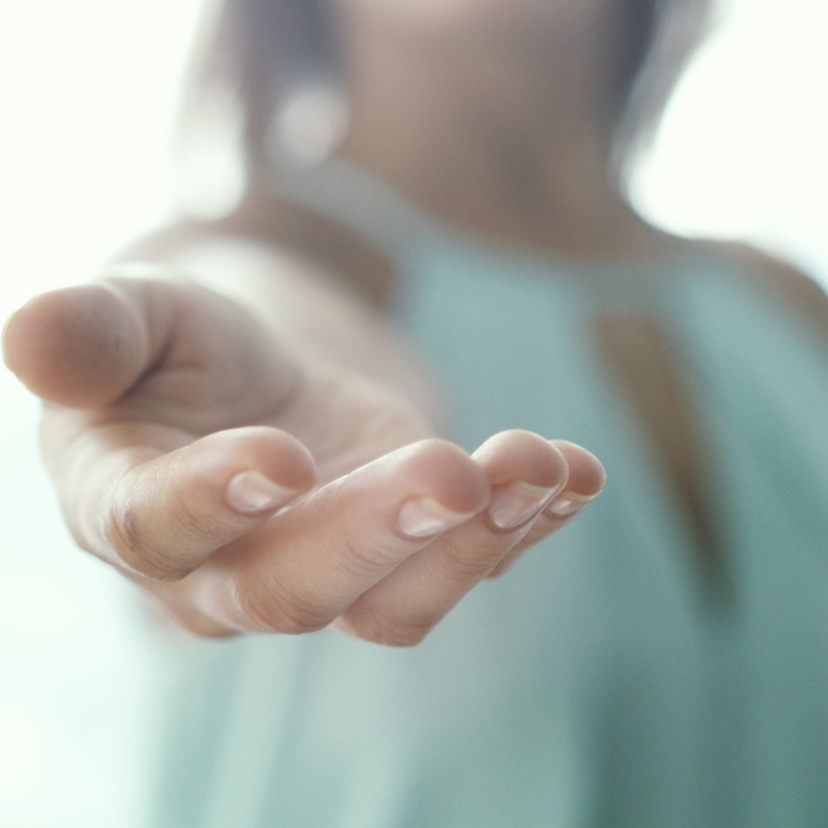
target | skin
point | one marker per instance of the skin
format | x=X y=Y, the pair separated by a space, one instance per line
x=271 y=368
x=426 y=76
x=159 y=394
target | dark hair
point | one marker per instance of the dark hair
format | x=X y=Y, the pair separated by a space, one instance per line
x=251 y=55
x=631 y=32
x=256 y=52
x=650 y=43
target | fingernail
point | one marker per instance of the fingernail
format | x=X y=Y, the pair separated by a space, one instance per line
x=515 y=503
x=424 y=516
x=568 y=504
x=251 y=491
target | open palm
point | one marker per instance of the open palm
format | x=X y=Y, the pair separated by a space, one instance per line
x=251 y=488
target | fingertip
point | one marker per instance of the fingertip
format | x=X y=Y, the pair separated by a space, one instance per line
x=259 y=468
x=250 y=492
x=10 y=342
x=587 y=478
x=424 y=517
x=519 y=455
x=18 y=331
x=75 y=346
x=447 y=474
x=587 y=475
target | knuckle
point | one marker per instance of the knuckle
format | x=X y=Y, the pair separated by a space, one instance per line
x=504 y=566
x=543 y=526
x=517 y=552
x=202 y=626
x=270 y=610
x=359 y=559
x=463 y=565
x=125 y=535
x=389 y=631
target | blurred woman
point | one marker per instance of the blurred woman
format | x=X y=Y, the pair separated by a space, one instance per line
x=253 y=443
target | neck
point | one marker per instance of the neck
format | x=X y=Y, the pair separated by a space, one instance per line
x=471 y=132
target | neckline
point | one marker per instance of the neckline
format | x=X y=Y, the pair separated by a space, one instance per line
x=466 y=243
x=374 y=211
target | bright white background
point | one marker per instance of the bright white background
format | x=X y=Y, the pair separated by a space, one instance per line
x=87 y=90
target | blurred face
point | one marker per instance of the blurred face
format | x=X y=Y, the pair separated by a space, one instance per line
x=442 y=17
x=512 y=61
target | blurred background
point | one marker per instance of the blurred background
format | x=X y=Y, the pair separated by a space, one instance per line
x=89 y=89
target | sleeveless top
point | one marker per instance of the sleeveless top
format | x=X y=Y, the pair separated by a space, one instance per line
x=597 y=683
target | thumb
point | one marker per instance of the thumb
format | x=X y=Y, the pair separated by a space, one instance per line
x=86 y=346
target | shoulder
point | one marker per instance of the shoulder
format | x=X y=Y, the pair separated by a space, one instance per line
x=781 y=281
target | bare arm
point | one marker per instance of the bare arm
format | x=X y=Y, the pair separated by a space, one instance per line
x=253 y=446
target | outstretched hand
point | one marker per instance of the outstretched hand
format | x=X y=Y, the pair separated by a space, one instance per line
x=251 y=488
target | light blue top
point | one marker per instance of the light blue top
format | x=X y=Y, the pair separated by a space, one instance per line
x=598 y=683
